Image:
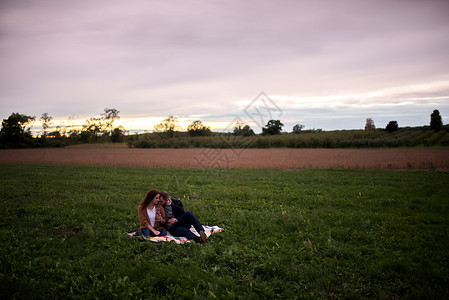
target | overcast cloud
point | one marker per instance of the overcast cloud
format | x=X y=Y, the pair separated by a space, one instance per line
x=326 y=64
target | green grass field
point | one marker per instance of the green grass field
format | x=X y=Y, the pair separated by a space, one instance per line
x=305 y=234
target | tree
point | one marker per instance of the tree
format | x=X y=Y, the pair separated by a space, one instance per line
x=117 y=135
x=168 y=125
x=369 y=125
x=15 y=130
x=245 y=130
x=102 y=126
x=272 y=127
x=46 y=122
x=110 y=115
x=196 y=128
x=436 y=123
x=392 y=126
x=298 y=128
x=92 y=129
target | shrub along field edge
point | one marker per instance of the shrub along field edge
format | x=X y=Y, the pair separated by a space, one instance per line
x=405 y=137
x=377 y=138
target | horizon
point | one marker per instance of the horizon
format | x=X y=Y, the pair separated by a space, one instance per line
x=76 y=124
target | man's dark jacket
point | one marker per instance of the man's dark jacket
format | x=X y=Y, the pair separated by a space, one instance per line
x=178 y=209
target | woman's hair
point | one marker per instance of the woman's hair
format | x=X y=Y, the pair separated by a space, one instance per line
x=149 y=197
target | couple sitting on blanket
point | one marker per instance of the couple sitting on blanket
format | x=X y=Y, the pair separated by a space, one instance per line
x=158 y=213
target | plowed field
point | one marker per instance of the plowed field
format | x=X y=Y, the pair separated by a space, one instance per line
x=237 y=158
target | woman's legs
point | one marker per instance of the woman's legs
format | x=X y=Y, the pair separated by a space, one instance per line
x=147 y=232
x=162 y=232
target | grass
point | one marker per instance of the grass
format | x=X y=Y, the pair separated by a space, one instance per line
x=306 y=234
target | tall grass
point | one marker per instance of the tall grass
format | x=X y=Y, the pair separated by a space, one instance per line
x=288 y=234
x=405 y=137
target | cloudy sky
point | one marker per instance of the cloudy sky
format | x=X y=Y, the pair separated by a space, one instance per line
x=323 y=64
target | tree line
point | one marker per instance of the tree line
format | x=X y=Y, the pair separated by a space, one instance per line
x=436 y=123
x=167 y=136
x=16 y=133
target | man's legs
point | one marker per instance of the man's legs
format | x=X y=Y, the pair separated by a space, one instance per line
x=188 y=220
x=183 y=231
x=185 y=223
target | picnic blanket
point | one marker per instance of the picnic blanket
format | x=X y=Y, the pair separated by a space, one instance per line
x=178 y=240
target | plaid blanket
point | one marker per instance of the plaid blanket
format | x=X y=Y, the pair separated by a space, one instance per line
x=178 y=240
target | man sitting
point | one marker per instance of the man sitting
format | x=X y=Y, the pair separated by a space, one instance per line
x=179 y=221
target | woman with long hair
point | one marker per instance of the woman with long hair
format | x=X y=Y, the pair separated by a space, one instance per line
x=151 y=215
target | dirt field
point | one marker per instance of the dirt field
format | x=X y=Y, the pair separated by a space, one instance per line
x=237 y=158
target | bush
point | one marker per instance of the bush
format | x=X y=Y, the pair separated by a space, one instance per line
x=408 y=137
x=445 y=140
x=328 y=143
x=261 y=142
x=434 y=138
x=277 y=142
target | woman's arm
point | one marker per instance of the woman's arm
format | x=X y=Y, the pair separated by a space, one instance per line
x=144 y=222
x=160 y=216
x=156 y=232
x=142 y=217
x=164 y=218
